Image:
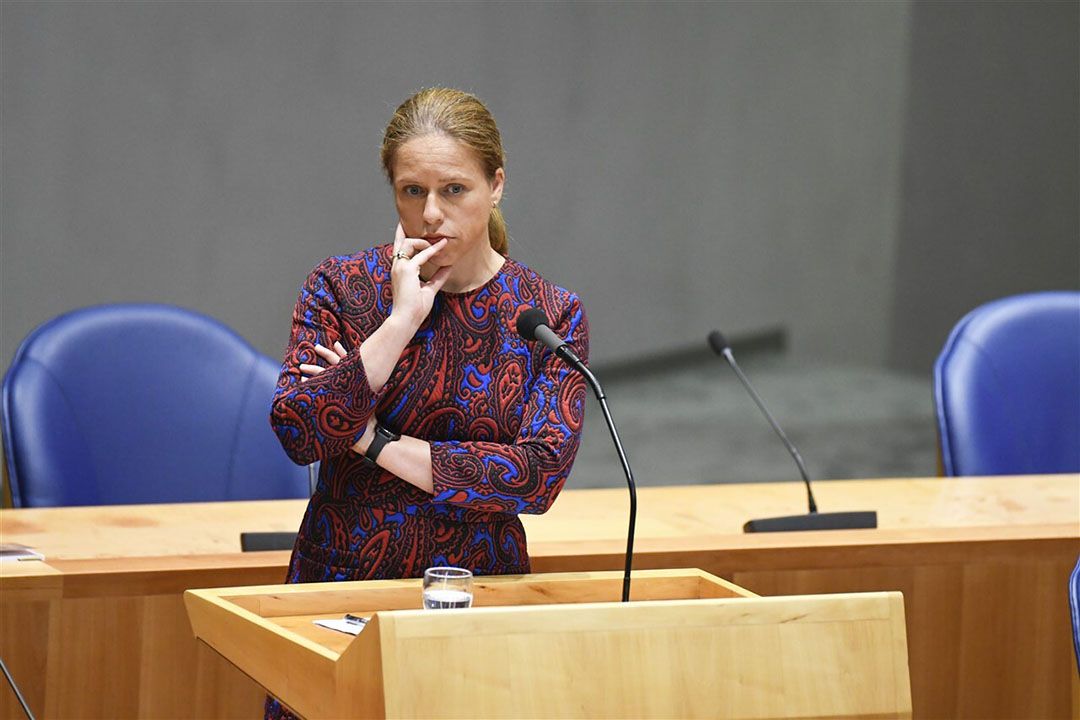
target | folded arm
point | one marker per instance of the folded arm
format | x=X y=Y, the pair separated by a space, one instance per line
x=524 y=476
x=321 y=412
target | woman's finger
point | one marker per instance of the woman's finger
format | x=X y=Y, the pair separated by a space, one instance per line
x=424 y=255
x=311 y=370
x=327 y=354
x=415 y=244
x=399 y=235
x=436 y=281
x=407 y=248
x=342 y=352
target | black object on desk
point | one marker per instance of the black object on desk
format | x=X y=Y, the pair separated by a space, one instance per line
x=261 y=541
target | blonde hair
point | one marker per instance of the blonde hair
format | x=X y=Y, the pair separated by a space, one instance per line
x=458 y=115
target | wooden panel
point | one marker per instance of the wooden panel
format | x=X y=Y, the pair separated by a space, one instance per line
x=24 y=643
x=1004 y=622
x=766 y=658
x=1017 y=633
x=361 y=672
x=220 y=690
x=304 y=625
x=129 y=531
x=824 y=656
x=1076 y=696
x=99 y=659
x=160 y=686
x=937 y=571
x=703 y=510
x=213 y=529
x=110 y=655
x=365 y=598
x=278 y=659
x=959 y=548
x=167 y=575
x=29 y=606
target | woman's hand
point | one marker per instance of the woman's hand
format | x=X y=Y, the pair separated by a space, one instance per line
x=332 y=356
x=413 y=296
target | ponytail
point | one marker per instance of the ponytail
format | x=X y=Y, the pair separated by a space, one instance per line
x=500 y=243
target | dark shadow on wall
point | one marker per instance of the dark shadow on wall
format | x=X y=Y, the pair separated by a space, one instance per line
x=990 y=162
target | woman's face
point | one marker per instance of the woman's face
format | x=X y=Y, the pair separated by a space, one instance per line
x=441 y=192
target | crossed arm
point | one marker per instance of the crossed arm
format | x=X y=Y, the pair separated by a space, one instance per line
x=409 y=458
x=332 y=379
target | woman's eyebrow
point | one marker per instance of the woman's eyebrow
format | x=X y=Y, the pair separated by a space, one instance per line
x=406 y=180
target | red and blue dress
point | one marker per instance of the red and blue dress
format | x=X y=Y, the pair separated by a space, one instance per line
x=503 y=417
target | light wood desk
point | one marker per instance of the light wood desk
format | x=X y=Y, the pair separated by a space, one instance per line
x=99 y=629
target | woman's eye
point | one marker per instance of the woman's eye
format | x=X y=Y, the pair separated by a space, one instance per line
x=455 y=189
x=413 y=190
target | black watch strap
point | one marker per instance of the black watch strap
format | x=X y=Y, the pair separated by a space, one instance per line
x=382 y=437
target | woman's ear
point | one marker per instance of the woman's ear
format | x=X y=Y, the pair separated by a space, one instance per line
x=498 y=180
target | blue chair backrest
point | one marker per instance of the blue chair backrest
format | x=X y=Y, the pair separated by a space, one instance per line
x=1007 y=388
x=1074 y=609
x=123 y=404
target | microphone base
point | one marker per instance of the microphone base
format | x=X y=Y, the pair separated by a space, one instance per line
x=269 y=540
x=855 y=520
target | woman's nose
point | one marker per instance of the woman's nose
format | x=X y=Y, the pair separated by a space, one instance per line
x=432 y=209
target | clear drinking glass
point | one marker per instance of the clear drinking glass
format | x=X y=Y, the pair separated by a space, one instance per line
x=447 y=588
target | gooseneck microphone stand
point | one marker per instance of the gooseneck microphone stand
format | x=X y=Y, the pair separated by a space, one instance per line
x=813 y=520
x=602 y=399
x=18 y=694
x=792 y=450
x=532 y=325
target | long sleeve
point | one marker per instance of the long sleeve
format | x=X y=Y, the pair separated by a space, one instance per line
x=524 y=476
x=325 y=415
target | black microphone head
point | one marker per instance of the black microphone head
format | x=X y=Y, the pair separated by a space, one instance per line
x=718 y=342
x=528 y=321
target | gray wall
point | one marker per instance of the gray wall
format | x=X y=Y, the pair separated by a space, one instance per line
x=682 y=166
x=991 y=200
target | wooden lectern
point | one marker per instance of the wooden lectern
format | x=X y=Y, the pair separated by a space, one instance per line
x=689 y=645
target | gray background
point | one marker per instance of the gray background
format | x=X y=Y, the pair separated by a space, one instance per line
x=857 y=175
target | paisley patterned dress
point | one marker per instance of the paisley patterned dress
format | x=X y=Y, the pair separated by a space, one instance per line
x=503 y=417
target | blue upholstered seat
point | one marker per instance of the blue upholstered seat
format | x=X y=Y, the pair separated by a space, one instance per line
x=123 y=404
x=1007 y=388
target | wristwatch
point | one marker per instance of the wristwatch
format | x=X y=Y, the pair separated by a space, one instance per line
x=382 y=437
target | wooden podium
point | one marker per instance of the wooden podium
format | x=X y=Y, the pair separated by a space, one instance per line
x=689 y=645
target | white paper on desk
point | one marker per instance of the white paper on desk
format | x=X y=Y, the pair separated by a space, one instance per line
x=352 y=628
x=18 y=551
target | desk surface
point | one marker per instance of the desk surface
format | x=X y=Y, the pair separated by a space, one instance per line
x=968 y=554
x=596 y=519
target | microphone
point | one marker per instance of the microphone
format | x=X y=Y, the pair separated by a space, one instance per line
x=814 y=520
x=532 y=325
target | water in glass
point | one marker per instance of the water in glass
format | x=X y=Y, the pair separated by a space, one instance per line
x=447 y=588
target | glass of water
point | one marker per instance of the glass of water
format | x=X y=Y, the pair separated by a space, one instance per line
x=447 y=588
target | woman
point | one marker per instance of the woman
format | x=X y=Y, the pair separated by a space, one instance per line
x=435 y=423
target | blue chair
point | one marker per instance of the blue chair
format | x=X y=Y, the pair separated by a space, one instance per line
x=123 y=404
x=1074 y=609
x=1007 y=388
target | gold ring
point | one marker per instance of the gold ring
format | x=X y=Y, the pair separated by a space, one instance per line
x=401 y=256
